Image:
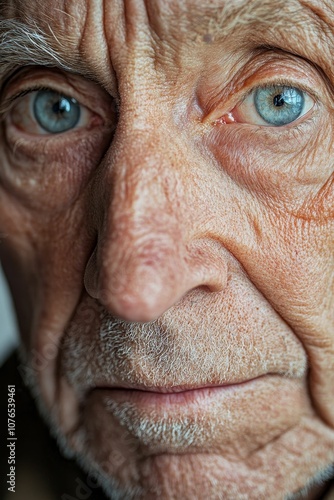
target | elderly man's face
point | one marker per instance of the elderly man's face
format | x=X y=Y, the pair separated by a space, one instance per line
x=167 y=222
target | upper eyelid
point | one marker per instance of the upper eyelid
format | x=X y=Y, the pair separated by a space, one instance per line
x=244 y=92
x=283 y=83
x=7 y=103
x=252 y=91
x=70 y=85
x=262 y=69
x=294 y=73
x=39 y=78
x=35 y=88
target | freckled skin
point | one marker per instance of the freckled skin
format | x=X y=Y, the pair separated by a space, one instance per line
x=167 y=246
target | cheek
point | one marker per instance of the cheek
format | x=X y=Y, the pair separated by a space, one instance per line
x=43 y=257
x=299 y=266
x=286 y=176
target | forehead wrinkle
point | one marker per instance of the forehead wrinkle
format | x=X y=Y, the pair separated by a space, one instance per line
x=323 y=11
x=222 y=15
x=224 y=18
x=241 y=23
x=302 y=26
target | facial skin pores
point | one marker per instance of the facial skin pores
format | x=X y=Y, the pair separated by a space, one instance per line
x=166 y=196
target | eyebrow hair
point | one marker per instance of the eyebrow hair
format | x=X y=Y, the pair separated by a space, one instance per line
x=304 y=28
x=22 y=44
x=25 y=43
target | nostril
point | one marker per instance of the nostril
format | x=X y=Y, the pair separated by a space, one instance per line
x=205 y=289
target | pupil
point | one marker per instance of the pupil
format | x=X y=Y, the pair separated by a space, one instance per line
x=279 y=100
x=61 y=106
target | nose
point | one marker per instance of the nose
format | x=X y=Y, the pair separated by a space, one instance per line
x=152 y=245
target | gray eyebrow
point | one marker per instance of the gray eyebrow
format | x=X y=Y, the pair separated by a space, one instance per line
x=25 y=43
x=21 y=44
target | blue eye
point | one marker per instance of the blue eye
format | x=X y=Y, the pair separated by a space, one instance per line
x=271 y=105
x=54 y=112
x=279 y=105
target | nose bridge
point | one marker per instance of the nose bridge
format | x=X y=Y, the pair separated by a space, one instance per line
x=148 y=190
x=147 y=149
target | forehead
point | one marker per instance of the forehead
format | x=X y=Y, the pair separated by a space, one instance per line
x=91 y=33
x=164 y=16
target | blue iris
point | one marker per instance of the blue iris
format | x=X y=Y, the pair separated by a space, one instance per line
x=279 y=105
x=55 y=112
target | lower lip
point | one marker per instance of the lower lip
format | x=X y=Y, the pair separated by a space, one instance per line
x=164 y=400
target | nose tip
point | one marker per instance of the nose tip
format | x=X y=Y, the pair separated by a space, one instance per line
x=140 y=288
x=143 y=298
x=142 y=280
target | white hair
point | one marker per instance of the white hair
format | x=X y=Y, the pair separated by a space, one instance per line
x=22 y=44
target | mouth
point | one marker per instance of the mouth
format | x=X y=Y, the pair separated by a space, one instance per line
x=201 y=418
x=172 y=389
x=162 y=397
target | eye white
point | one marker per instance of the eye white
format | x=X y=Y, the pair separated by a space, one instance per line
x=275 y=105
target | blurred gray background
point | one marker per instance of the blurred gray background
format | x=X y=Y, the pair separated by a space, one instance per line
x=8 y=327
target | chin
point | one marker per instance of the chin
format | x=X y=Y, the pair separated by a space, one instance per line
x=199 y=475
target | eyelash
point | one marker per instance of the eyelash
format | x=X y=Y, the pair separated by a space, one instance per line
x=216 y=116
x=6 y=106
x=281 y=82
